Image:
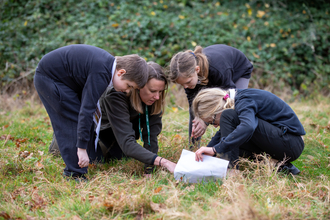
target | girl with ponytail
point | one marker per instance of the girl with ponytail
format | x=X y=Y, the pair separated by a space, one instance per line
x=218 y=65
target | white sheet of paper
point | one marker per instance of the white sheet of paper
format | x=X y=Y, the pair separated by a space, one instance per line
x=189 y=170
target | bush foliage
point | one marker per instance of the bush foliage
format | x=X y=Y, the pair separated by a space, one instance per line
x=287 y=41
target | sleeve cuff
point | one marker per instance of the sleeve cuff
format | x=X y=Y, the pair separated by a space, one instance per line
x=82 y=144
x=153 y=159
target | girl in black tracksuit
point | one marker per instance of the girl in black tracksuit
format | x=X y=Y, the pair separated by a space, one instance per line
x=217 y=65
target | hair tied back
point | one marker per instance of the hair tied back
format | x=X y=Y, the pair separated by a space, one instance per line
x=226 y=97
x=193 y=54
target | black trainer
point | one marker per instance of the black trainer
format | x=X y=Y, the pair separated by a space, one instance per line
x=289 y=168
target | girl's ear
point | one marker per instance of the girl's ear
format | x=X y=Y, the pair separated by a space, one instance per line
x=121 y=72
x=197 y=69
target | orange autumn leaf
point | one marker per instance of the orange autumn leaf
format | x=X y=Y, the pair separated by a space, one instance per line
x=177 y=136
x=158 y=189
x=39 y=165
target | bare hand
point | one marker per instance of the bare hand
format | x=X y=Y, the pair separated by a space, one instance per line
x=198 y=128
x=203 y=151
x=170 y=166
x=83 y=158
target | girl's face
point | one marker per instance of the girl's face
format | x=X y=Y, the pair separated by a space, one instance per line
x=189 y=82
x=213 y=120
x=120 y=84
x=152 y=91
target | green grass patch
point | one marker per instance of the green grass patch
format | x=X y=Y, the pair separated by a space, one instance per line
x=32 y=185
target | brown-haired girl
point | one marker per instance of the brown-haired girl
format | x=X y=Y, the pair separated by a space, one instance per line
x=125 y=119
x=214 y=66
x=252 y=121
x=70 y=80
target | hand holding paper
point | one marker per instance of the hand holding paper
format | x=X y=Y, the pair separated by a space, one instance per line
x=203 y=150
x=189 y=170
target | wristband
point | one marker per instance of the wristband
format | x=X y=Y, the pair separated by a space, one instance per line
x=215 y=152
x=160 y=161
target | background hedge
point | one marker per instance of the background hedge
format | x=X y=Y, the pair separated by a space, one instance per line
x=287 y=41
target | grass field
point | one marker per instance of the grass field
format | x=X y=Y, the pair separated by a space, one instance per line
x=32 y=186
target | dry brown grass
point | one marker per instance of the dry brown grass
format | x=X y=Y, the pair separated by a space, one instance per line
x=120 y=191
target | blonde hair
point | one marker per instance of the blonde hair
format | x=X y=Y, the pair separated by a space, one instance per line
x=209 y=102
x=155 y=71
x=184 y=63
x=136 y=68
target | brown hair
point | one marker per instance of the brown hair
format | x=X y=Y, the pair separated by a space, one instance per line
x=136 y=68
x=210 y=101
x=155 y=71
x=184 y=63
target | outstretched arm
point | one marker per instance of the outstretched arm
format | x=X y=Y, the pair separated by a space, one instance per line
x=169 y=165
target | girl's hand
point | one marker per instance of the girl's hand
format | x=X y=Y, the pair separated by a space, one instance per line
x=203 y=151
x=170 y=166
x=198 y=128
x=83 y=158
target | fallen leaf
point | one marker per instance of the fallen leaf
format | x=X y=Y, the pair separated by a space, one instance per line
x=310 y=157
x=190 y=188
x=321 y=194
x=108 y=205
x=90 y=198
x=323 y=145
x=157 y=207
x=24 y=154
x=158 y=190
x=177 y=136
x=29 y=157
x=290 y=195
x=140 y=214
x=39 y=165
x=241 y=187
x=4 y=215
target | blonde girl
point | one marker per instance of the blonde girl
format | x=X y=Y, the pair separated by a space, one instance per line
x=252 y=121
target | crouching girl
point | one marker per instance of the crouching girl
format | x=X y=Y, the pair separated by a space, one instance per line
x=252 y=121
